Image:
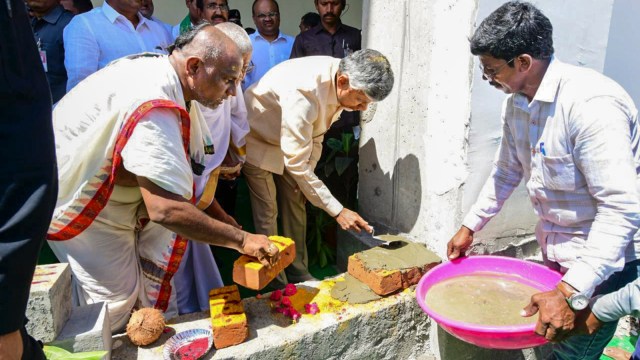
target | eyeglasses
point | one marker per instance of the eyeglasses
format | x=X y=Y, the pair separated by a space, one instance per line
x=264 y=16
x=250 y=67
x=214 y=6
x=491 y=74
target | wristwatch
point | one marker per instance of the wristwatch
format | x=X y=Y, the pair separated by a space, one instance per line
x=577 y=301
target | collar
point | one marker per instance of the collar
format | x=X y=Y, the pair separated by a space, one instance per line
x=53 y=15
x=113 y=15
x=548 y=88
x=333 y=98
x=319 y=28
x=256 y=35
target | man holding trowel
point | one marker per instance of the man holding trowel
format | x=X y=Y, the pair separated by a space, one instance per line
x=288 y=117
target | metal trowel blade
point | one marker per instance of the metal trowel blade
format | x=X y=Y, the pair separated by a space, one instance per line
x=387 y=244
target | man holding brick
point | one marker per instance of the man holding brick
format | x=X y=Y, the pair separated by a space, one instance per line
x=288 y=117
x=153 y=148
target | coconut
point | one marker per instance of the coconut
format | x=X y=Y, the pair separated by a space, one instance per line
x=145 y=326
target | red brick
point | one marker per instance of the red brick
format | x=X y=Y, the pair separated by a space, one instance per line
x=384 y=282
x=228 y=320
x=250 y=273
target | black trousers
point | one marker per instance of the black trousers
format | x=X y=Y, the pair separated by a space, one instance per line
x=28 y=179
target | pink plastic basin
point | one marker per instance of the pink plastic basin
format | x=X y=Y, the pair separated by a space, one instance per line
x=493 y=337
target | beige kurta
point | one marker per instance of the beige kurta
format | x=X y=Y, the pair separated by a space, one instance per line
x=289 y=110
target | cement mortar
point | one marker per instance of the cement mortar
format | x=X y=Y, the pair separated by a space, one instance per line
x=353 y=291
x=407 y=255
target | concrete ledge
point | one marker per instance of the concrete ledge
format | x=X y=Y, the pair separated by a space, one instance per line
x=390 y=328
x=49 y=304
x=87 y=330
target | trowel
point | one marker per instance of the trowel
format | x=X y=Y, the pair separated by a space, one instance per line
x=388 y=244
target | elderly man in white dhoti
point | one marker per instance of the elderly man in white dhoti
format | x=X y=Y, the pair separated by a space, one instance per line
x=127 y=154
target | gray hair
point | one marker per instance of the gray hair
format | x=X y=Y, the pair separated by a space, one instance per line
x=238 y=35
x=211 y=53
x=369 y=71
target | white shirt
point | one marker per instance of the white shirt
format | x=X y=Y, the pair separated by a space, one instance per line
x=267 y=55
x=94 y=39
x=576 y=146
x=227 y=123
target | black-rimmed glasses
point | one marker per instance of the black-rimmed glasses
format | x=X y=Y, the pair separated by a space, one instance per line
x=491 y=74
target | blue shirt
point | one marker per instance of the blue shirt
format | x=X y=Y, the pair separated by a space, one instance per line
x=267 y=55
x=48 y=33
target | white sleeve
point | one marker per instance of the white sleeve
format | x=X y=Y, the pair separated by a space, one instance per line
x=155 y=151
x=239 y=126
x=81 y=51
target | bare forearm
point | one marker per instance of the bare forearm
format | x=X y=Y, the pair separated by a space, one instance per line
x=180 y=216
x=186 y=220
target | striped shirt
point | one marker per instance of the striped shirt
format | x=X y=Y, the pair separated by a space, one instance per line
x=576 y=146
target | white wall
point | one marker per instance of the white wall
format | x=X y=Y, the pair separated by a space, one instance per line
x=412 y=154
x=621 y=63
x=173 y=11
x=431 y=144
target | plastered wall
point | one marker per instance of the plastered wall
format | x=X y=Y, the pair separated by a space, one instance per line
x=431 y=144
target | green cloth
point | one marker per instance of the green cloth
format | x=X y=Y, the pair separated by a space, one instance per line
x=185 y=24
x=627 y=343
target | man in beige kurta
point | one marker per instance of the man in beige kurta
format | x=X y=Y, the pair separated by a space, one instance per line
x=289 y=110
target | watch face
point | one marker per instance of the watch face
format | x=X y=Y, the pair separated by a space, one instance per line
x=578 y=301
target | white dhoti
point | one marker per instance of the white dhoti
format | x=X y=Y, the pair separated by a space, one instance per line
x=111 y=259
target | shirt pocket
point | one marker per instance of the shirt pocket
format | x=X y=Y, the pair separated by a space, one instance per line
x=560 y=173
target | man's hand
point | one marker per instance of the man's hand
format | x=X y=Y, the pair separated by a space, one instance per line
x=350 y=220
x=556 y=318
x=261 y=248
x=459 y=243
x=586 y=323
x=11 y=346
x=228 y=162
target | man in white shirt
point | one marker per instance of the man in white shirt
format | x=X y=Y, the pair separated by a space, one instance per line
x=572 y=135
x=116 y=29
x=228 y=126
x=147 y=10
x=270 y=46
x=128 y=152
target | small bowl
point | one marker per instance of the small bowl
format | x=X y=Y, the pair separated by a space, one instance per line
x=489 y=336
x=174 y=348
